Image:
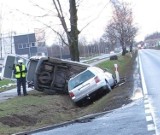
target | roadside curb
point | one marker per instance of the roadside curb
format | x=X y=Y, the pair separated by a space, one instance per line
x=83 y=119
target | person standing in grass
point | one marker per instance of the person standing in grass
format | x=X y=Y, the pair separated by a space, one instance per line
x=20 y=71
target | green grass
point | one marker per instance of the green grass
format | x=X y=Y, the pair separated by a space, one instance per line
x=122 y=62
x=6 y=84
x=18 y=105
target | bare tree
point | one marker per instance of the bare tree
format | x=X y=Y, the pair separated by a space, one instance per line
x=72 y=34
x=121 y=27
x=110 y=35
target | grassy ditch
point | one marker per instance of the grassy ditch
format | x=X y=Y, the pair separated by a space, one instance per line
x=6 y=84
x=122 y=63
x=37 y=110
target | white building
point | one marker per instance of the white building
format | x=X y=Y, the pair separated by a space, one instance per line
x=6 y=45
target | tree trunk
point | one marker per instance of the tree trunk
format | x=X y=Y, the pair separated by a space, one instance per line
x=130 y=47
x=123 y=51
x=73 y=47
x=123 y=48
x=73 y=34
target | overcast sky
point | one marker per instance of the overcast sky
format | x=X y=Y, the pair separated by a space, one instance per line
x=18 y=15
x=147 y=16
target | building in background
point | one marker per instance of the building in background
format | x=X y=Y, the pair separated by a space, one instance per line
x=25 y=45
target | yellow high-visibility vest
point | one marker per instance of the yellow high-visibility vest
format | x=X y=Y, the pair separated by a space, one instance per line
x=18 y=74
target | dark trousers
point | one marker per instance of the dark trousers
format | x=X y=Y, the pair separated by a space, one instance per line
x=21 y=82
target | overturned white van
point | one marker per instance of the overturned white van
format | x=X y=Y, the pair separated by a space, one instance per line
x=46 y=74
x=52 y=74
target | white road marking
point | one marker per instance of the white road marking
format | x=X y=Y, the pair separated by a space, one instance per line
x=146 y=97
x=148 y=111
x=145 y=92
x=147 y=106
x=151 y=127
x=146 y=101
x=149 y=118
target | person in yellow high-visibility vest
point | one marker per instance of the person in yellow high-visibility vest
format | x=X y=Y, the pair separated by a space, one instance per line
x=20 y=71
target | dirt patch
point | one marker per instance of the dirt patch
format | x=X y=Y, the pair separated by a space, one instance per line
x=121 y=95
x=18 y=120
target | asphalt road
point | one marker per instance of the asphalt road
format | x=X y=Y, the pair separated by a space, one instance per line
x=9 y=94
x=150 y=62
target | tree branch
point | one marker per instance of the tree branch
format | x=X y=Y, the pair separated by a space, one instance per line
x=60 y=15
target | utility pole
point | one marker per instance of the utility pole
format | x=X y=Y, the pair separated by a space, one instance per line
x=11 y=43
x=1 y=44
x=1 y=32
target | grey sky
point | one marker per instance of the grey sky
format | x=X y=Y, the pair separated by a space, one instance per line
x=15 y=18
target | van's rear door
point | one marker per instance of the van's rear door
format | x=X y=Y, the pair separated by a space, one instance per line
x=31 y=66
x=8 y=65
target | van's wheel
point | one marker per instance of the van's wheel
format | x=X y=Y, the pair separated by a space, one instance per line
x=44 y=77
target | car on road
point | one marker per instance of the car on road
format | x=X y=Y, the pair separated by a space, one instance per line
x=113 y=56
x=90 y=82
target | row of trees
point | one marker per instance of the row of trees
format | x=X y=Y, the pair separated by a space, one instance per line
x=85 y=50
x=120 y=29
x=155 y=35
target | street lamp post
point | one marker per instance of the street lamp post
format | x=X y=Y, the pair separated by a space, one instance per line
x=60 y=50
x=29 y=49
x=1 y=44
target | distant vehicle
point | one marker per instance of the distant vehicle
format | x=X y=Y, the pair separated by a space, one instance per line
x=51 y=75
x=113 y=55
x=141 y=46
x=90 y=82
x=112 y=52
